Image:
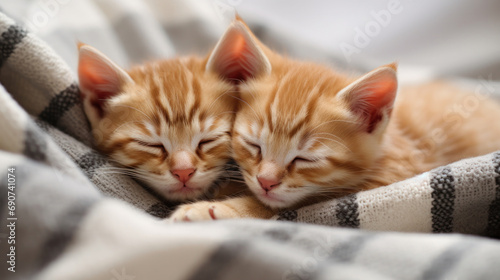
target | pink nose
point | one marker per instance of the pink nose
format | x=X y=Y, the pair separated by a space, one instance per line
x=183 y=175
x=268 y=184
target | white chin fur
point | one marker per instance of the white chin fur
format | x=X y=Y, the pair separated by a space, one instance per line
x=200 y=183
x=178 y=196
x=279 y=199
x=166 y=190
x=274 y=203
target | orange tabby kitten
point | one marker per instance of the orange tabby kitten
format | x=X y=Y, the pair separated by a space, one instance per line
x=305 y=131
x=168 y=122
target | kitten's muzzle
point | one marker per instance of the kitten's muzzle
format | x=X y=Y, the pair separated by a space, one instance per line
x=267 y=184
x=183 y=175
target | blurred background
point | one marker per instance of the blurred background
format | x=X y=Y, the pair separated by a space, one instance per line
x=446 y=37
x=429 y=39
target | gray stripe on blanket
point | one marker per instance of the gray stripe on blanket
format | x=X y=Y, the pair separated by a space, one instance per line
x=220 y=262
x=443 y=200
x=3 y=198
x=348 y=250
x=8 y=41
x=89 y=162
x=445 y=261
x=35 y=143
x=60 y=238
x=55 y=203
x=343 y=252
x=60 y=104
x=288 y=215
x=161 y=210
x=493 y=228
x=347 y=212
x=282 y=234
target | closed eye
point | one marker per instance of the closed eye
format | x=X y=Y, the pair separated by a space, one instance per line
x=303 y=159
x=204 y=142
x=253 y=145
x=151 y=145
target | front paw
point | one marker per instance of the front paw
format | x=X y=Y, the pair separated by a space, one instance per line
x=202 y=211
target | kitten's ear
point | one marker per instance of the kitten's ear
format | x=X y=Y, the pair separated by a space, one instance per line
x=100 y=79
x=237 y=55
x=372 y=96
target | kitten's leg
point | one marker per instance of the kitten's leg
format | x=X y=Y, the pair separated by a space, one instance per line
x=239 y=207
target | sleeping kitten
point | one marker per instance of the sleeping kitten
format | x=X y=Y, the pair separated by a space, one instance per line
x=167 y=122
x=307 y=132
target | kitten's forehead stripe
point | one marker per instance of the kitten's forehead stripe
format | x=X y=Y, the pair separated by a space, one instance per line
x=286 y=111
x=195 y=89
x=144 y=129
x=159 y=95
x=118 y=144
x=174 y=89
x=270 y=103
x=208 y=123
x=308 y=109
x=153 y=128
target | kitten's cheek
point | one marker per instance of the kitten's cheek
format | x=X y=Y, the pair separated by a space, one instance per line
x=252 y=184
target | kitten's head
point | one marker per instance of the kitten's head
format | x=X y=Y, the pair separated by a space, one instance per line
x=304 y=130
x=168 y=122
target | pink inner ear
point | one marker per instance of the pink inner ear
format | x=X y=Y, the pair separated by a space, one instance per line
x=373 y=99
x=238 y=66
x=98 y=80
x=92 y=81
x=382 y=94
x=92 y=84
x=237 y=57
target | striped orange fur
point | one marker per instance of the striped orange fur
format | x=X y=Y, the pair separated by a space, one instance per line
x=306 y=131
x=167 y=122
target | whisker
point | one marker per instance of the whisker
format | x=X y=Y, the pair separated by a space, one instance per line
x=216 y=99
x=325 y=146
x=251 y=94
x=326 y=133
x=345 y=121
x=336 y=141
x=255 y=113
x=226 y=112
x=120 y=105
x=125 y=124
